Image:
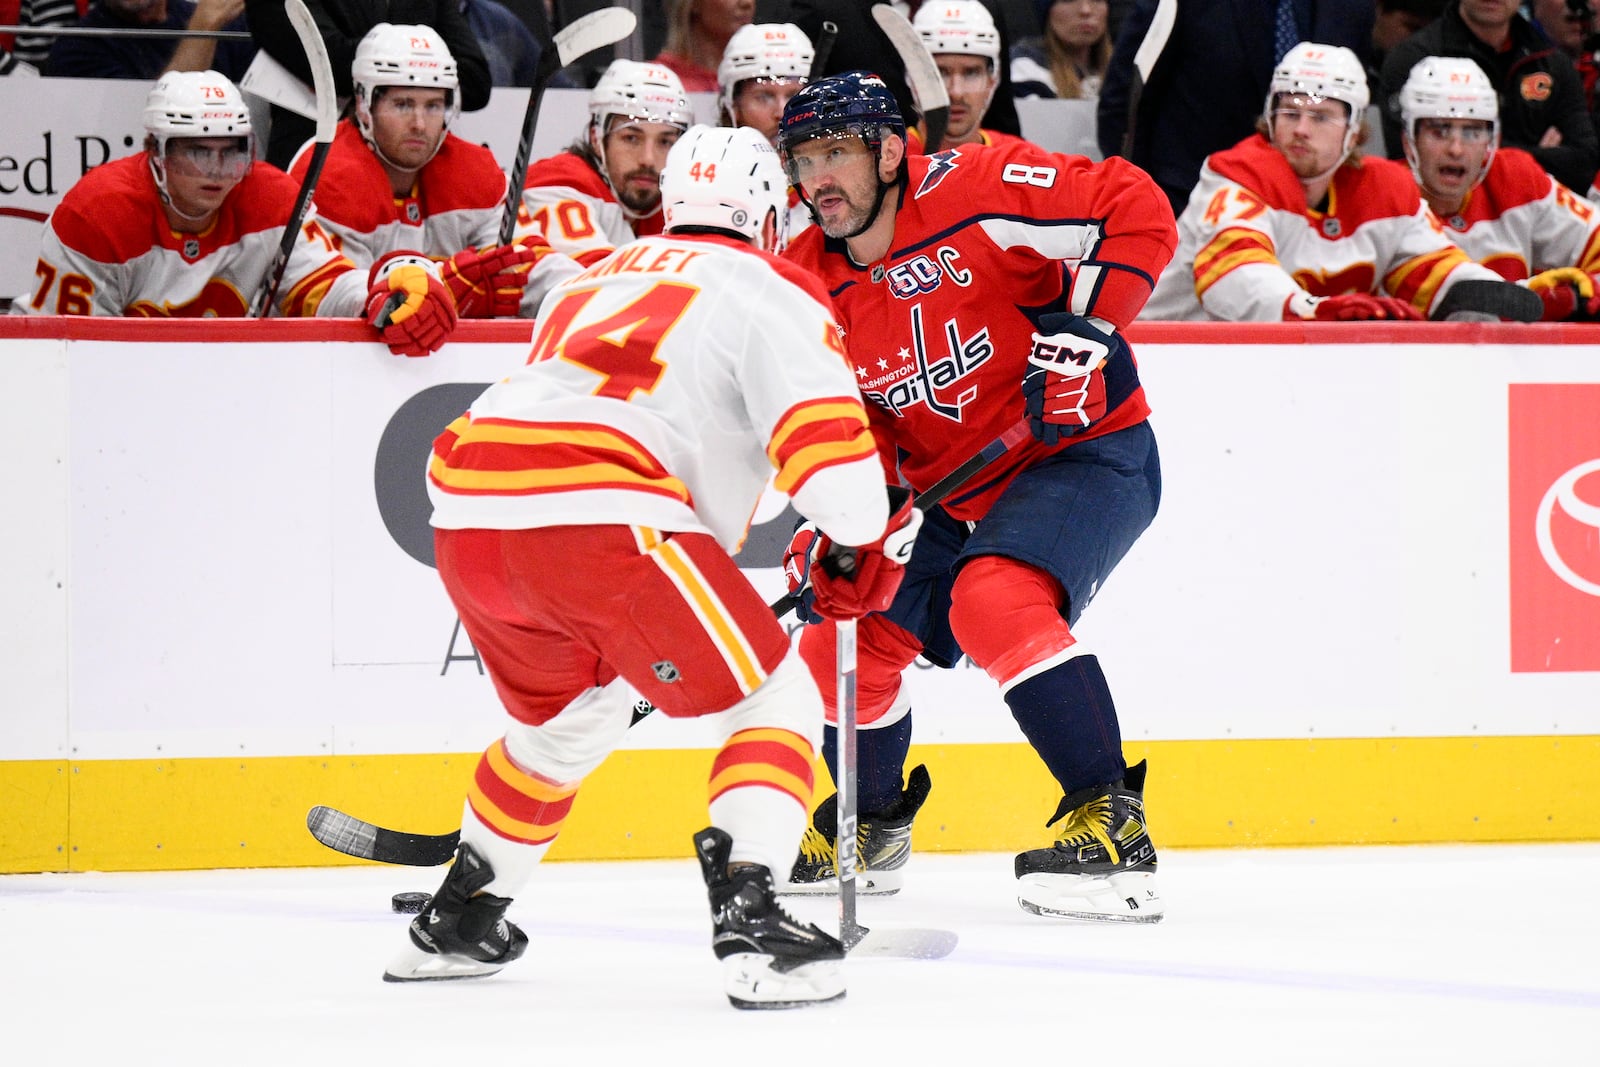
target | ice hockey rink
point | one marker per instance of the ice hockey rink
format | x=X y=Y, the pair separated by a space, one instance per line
x=1419 y=955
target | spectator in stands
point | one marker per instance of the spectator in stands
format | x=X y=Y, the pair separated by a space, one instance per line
x=190 y=225
x=145 y=58
x=698 y=32
x=1202 y=92
x=344 y=23
x=1570 y=25
x=1293 y=224
x=605 y=189
x=1068 y=60
x=965 y=44
x=509 y=46
x=397 y=179
x=1542 y=107
x=861 y=45
x=28 y=53
x=1497 y=203
x=1397 y=20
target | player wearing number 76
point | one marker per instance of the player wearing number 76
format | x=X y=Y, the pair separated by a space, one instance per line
x=586 y=510
x=978 y=288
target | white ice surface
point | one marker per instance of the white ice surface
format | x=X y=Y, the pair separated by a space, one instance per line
x=1416 y=956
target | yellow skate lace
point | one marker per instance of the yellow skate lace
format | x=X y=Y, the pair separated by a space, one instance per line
x=1087 y=824
x=817 y=849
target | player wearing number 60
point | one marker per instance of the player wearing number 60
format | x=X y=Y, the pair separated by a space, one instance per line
x=586 y=509
x=978 y=288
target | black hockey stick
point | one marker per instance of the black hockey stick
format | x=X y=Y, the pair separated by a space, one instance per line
x=922 y=74
x=1480 y=298
x=305 y=28
x=939 y=489
x=822 y=47
x=594 y=30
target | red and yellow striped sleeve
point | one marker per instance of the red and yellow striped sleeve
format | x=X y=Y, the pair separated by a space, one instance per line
x=506 y=457
x=1227 y=251
x=1417 y=280
x=815 y=435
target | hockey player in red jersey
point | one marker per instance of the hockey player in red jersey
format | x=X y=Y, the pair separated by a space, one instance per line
x=979 y=288
x=606 y=189
x=189 y=226
x=1498 y=204
x=1293 y=223
x=397 y=180
x=965 y=45
x=585 y=511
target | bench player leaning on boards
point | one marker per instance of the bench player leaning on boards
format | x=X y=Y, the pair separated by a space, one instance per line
x=978 y=287
x=585 y=509
x=189 y=225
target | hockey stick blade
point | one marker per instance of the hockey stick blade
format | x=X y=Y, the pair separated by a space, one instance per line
x=905 y=944
x=922 y=73
x=1479 y=298
x=574 y=41
x=365 y=840
x=316 y=49
x=941 y=488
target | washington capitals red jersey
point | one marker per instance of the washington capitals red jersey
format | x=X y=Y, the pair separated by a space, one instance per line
x=986 y=239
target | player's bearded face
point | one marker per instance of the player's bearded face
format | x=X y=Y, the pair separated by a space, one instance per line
x=1310 y=132
x=634 y=155
x=407 y=125
x=839 y=175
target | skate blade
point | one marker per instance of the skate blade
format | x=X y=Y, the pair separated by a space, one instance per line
x=415 y=965
x=868 y=884
x=1127 y=897
x=752 y=983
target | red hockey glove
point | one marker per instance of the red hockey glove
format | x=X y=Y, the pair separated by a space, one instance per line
x=409 y=305
x=847 y=583
x=488 y=282
x=797 y=561
x=1350 y=307
x=1063 y=388
x=1568 y=294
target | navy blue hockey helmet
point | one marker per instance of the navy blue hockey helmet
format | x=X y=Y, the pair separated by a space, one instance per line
x=855 y=103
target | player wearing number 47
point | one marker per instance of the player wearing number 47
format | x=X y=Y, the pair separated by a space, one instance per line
x=188 y=226
x=397 y=182
x=978 y=288
x=1293 y=223
x=585 y=512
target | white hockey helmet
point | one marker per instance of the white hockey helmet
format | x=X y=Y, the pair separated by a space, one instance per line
x=1323 y=72
x=959 y=27
x=638 y=92
x=726 y=178
x=194 y=103
x=403 y=55
x=1441 y=87
x=777 y=50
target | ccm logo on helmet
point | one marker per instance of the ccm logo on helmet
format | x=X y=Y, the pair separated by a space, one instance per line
x=1536 y=87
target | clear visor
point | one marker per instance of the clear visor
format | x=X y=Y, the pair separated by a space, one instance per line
x=1443 y=131
x=827 y=153
x=218 y=161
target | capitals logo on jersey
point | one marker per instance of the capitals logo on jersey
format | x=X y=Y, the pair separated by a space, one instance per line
x=928 y=371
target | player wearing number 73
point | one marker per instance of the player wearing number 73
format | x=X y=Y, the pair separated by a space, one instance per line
x=585 y=512
x=979 y=287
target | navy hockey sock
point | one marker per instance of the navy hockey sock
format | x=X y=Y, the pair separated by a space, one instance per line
x=1067 y=715
x=880 y=763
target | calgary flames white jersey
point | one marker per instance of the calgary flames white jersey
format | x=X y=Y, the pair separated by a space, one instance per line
x=568 y=201
x=1520 y=221
x=1248 y=241
x=665 y=386
x=108 y=249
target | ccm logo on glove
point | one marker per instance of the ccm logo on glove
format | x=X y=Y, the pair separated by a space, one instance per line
x=1063 y=388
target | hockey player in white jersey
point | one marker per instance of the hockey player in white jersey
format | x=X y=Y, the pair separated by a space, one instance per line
x=1498 y=204
x=586 y=510
x=189 y=225
x=764 y=64
x=397 y=180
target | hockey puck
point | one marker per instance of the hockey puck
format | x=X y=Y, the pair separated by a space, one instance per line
x=410 y=903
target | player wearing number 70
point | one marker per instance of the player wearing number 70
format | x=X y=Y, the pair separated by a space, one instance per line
x=586 y=509
x=979 y=287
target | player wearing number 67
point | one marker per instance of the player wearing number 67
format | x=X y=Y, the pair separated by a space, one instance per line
x=979 y=288
x=585 y=512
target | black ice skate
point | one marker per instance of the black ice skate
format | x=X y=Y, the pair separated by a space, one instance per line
x=459 y=935
x=1102 y=866
x=769 y=959
x=883 y=844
